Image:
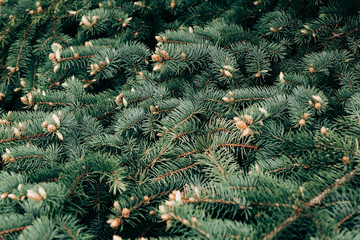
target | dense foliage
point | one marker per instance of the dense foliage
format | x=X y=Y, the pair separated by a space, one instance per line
x=179 y=119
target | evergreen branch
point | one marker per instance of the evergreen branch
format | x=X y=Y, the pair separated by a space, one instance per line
x=212 y=200
x=192 y=225
x=157 y=158
x=242 y=51
x=314 y=201
x=183 y=121
x=347 y=218
x=208 y=153
x=185 y=154
x=177 y=171
x=213 y=100
x=300 y=165
x=76 y=182
x=221 y=129
x=243 y=109
x=165 y=110
x=30 y=156
x=212 y=111
x=69 y=232
x=323 y=26
x=132 y=124
x=135 y=100
x=236 y=145
x=24 y=138
x=62 y=40
x=338 y=183
x=251 y=99
x=283 y=225
x=104 y=115
x=180 y=42
x=146 y=202
x=244 y=188
x=76 y=58
x=183 y=134
x=208 y=80
x=276 y=205
x=12 y=230
x=22 y=45
x=53 y=103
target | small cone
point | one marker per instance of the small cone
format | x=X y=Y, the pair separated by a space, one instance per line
x=302 y=122
x=241 y=125
x=51 y=128
x=126 y=213
x=115 y=223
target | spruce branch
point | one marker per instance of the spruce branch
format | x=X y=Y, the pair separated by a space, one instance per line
x=314 y=201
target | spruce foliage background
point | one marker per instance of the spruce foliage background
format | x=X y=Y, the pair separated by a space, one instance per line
x=179 y=119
